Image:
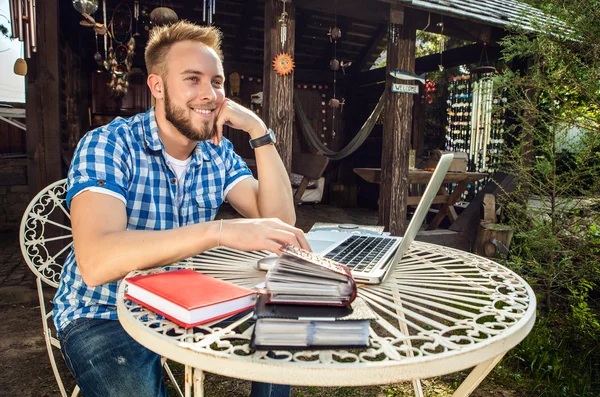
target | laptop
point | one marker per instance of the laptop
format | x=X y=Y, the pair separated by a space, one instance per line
x=370 y=257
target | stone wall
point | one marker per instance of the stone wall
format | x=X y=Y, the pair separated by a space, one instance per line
x=14 y=192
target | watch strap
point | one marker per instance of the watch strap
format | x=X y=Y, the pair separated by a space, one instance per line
x=268 y=138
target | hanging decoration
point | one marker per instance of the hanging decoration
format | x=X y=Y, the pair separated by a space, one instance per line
x=121 y=51
x=23 y=27
x=97 y=56
x=136 y=16
x=430 y=89
x=335 y=103
x=283 y=64
x=442 y=43
x=335 y=33
x=208 y=10
x=473 y=125
x=87 y=8
x=283 y=25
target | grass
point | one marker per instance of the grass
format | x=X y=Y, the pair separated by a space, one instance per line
x=220 y=386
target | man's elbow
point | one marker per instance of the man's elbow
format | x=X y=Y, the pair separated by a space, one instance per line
x=87 y=269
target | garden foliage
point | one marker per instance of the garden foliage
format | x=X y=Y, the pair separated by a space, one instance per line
x=553 y=151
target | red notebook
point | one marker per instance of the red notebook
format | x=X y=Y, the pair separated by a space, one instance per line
x=189 y=298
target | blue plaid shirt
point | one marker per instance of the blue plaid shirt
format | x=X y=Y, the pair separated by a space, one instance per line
x=127 y=157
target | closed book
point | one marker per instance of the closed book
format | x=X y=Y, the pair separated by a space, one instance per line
x=189 y=298
x=306 y=326
x=301 y=277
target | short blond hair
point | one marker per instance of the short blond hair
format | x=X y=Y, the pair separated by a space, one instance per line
x=163 y=37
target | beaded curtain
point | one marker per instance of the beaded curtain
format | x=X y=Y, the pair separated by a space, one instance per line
x=475 y=124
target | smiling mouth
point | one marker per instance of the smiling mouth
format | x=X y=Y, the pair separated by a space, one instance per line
x=202 y=111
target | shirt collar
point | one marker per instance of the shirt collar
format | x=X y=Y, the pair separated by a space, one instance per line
x=201 y=153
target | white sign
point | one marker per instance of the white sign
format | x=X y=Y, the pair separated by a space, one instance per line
x=405 y=88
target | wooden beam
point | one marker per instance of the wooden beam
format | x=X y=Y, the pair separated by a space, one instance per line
x=278 y=91
x=475 y=31
x=366 y=55
x=42 y=93
x=300 y=75
x=359 y=9
x=397 y=125
x=458 y=56
x=242 y=35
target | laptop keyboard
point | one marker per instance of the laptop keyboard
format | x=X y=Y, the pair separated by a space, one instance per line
x=361 y=253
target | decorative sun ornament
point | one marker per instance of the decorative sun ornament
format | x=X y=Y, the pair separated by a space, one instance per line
x=283 y=64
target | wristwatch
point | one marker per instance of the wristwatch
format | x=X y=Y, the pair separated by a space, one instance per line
x=267 y=139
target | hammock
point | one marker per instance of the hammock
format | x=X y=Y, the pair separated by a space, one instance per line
x=354 y=144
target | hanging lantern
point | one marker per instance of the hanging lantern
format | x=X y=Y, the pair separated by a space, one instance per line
x=86 y=6
x=163 y=16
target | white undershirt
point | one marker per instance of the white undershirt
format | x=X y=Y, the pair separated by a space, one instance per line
x=180 y=167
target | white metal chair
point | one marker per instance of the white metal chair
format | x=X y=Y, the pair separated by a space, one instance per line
x=46 y=238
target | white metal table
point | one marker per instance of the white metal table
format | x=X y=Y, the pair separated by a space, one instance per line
x=441 y=311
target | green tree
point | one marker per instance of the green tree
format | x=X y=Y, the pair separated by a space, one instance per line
x=555 y=157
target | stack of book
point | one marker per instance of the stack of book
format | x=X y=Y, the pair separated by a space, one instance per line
x=310 y=302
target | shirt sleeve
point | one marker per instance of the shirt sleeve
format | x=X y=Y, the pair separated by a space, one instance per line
x=100 y=161
x=235 y=166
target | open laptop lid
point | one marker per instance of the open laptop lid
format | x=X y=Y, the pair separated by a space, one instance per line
x=417 y=220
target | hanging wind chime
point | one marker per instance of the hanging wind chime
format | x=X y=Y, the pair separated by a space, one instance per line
x=442 y=43
x=208 y=10
x=23 y=27
x=283 y=63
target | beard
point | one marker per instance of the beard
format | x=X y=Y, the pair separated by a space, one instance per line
x=178 y=116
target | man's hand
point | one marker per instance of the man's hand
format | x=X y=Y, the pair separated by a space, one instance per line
x=261 y=234
x=236 y=116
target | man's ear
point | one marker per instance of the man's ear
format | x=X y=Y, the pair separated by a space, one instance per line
x=156 y=85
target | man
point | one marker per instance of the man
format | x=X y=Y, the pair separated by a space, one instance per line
x=144 y=191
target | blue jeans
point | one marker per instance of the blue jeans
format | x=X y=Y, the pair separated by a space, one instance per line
x=107 y=362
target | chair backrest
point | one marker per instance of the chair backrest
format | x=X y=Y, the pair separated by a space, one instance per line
x=45 y=233
x=311 y=166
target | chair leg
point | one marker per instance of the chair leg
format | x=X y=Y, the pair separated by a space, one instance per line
x=47 y=337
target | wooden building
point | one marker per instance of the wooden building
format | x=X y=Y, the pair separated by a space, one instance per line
x=66 y=95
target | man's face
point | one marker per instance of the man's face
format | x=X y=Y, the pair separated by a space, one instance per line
x=194 y=89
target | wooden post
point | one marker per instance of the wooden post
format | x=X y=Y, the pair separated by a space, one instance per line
x=418 y=130
x=493 y=240
x=42 y=92
x=397 y=125
x=278 y=91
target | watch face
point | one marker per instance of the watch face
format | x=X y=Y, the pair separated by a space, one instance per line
x=272 y=135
